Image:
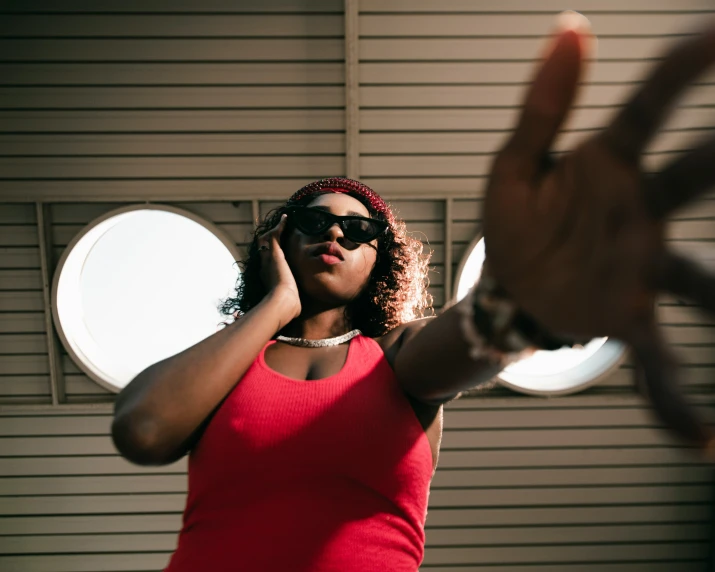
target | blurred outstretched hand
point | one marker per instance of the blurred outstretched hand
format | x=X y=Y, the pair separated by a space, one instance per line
x=579 y=242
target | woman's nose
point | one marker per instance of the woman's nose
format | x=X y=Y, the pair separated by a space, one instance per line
x=333 y=232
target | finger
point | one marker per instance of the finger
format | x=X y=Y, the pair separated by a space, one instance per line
x=278 y=231
x=634 y=126
x=550 y=96
x=681 y=181
x=657 y=374
x=684 y=277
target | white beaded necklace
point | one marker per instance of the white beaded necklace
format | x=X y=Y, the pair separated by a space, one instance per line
x=305 y=343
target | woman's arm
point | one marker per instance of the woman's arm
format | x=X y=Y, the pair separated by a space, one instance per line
x=432 y=363
x=157 y=415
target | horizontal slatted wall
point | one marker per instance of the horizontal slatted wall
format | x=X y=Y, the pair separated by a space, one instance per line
x=571 y=484
x=131 y=106
x=582 y=483
x=204 y=99
x=24 y=363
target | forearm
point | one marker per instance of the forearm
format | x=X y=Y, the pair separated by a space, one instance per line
x=433 y=365
x=159 y=410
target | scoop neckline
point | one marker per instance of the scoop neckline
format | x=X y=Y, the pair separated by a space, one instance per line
x=340 y=372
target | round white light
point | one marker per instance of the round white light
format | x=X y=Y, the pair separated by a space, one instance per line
x=546 y=372
x=138 y=285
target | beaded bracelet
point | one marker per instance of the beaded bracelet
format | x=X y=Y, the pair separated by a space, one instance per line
x=497 y=330
x=479 y=346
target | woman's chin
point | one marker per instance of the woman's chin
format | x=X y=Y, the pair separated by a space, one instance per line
x=328 y=289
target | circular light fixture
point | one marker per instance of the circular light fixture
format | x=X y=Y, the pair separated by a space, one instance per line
x=556 y=372
x=137 y=285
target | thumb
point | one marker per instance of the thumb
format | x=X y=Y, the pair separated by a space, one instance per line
x=551 y=94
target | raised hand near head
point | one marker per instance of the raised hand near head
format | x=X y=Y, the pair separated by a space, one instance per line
x=275 y=272
x=579 y=242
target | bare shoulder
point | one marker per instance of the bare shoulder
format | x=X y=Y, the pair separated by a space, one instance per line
x=392 y=341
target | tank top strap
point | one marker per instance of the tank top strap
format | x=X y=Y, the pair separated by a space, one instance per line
x=369 y=352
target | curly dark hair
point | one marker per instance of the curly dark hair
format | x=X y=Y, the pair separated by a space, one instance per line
x=396 y=291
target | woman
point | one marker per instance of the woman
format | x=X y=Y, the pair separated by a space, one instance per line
x=319 y=458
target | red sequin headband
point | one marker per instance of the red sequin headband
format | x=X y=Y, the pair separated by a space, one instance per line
x=344 y=185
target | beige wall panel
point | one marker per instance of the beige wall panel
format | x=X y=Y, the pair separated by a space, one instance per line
x=569 y=476
x=416 y=211
x=507 y=516
x=503 y=96
x=90 y=524
x=556 y=6
x=12 y=300
x=21 y=280
x=174 y=121
x=484 y=25
x=487 y=72
x=489 y=142
x=504 y=119
x=175 y=144
x=82 y=485
x=528 y=458
x=158 y=190
x=88 y=544
x=170 y=97
x=177 y=6
x=80 y=465
x=85 y=563
x=18 y=214
x=462 y=165
x=18 y=257
x=455 y=49
x=21 y=322
x=513 y=555
x=685 y=566
x=536 y=437
x=81 y=389
x=24 y=388
x=566 y=535
x=559 y=496
x=23 y=344
x=105 y=543
x=189 y=26
x=18 y=235
x=173 y=167
x=183 y=50
x=271 y=73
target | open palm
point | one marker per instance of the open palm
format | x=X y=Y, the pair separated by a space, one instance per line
x=579 y=242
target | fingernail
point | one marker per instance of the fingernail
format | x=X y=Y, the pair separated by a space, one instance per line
x=577 y=22
x=571 y=20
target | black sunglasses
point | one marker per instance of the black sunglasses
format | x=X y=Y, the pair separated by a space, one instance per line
x=314 y=221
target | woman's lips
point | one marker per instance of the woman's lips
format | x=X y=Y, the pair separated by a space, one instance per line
x=329 y=258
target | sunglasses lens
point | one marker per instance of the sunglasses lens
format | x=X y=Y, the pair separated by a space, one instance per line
x=310 y=221
x=359 y=230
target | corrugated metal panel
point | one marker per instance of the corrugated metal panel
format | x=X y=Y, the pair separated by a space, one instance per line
x=202 y=104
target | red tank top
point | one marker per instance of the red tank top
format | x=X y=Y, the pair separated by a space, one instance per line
x=291 y=475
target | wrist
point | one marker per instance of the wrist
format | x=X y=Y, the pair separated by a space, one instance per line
x=286 y=302
x=504 y=324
